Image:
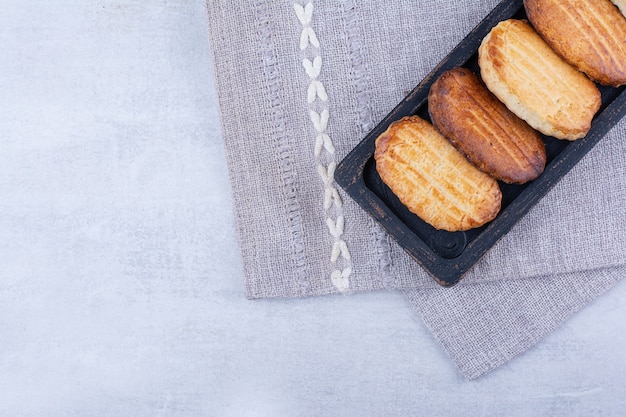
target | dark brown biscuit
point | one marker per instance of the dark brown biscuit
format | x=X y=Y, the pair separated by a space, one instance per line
x=485 y=130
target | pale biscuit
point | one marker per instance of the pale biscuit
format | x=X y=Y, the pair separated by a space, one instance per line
x=434 y=180
x=519 y=67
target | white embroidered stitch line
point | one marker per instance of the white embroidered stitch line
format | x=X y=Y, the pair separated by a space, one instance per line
x=324 y=149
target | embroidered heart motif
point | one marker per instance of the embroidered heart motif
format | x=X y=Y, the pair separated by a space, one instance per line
x=313 y=68
x=340 y=248
x=320 y=121
x=340 y=279
x=304 y=13
x=319 y=114
x=307 y=37
x=316 y=89
x=323 y=141
x=335 y=229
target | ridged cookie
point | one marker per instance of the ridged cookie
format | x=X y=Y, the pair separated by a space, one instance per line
x=590 y=35
x=494 y=139
x=553 y=97
x=621 y=4
x=434 y=180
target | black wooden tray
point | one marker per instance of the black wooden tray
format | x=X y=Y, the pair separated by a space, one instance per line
x=447 y=256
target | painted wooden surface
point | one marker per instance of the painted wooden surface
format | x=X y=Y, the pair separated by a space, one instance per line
x=448 y=256
x=121 y=286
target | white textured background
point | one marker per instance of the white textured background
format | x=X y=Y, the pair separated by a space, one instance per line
x=121 y=288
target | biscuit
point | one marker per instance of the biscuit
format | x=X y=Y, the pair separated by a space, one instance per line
x=590 y=35
x=434 y=180
x=621 y=4
x=493 y=138
x=519 y=67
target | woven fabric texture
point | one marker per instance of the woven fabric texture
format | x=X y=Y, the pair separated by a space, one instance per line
x=300 y=84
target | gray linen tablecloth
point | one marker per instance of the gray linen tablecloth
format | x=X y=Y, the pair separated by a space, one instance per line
x=300 y=84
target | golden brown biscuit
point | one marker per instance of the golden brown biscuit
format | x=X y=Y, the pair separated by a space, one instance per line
x=590 y=35
x=483 y=129
x=621 y=4
x=434 y=180
x=519 y=67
